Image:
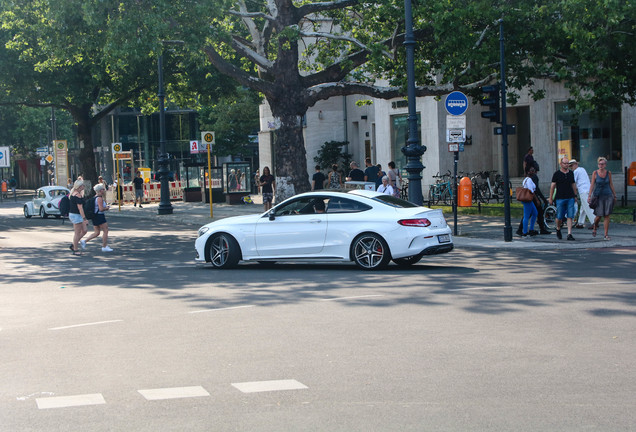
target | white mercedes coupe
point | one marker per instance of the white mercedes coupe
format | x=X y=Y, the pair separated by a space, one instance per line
x=366 y=227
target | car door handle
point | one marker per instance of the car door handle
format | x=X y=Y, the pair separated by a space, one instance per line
x=315 y=220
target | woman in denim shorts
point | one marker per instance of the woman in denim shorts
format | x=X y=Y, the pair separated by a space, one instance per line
x=77 y=217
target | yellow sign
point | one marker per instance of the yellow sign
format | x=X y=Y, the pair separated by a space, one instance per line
x=116 y=147
x=60 y=151
x=207 y=140
x=564 y=149
x=49 y=158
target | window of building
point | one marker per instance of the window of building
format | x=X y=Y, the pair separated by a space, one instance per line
x=587 y=136
x=399 y=136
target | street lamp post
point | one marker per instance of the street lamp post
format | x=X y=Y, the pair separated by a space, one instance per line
x=165 y=207
x=413 y=150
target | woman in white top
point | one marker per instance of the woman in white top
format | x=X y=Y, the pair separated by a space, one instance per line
x=385 y=187
x=529 y=209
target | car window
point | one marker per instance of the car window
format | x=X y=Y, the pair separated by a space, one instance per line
x=305 y=205
x=41 y=194
x=394 y=202
x=345 y=205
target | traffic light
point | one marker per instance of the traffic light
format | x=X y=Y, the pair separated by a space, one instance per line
x=491 y=99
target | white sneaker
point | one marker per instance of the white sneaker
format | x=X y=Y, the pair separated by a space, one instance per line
x=83 y=244
x=107 y=249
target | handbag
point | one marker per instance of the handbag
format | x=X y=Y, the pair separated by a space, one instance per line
x=594 y=202
x=524 y=194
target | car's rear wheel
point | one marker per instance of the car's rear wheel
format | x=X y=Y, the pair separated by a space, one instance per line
x=43 y=213
x=407 y=261
x=26 y=212
x=370 y=252
x=224 y=251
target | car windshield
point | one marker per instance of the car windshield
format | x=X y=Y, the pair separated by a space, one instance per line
x=393 y=201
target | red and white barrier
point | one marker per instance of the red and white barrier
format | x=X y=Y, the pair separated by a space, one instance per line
x=152 y=192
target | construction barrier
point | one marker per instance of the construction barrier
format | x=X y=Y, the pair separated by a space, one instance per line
x=152 y=192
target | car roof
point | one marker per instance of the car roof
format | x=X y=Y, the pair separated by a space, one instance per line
x=51 y=188
x=334 y=193
x=365 y=193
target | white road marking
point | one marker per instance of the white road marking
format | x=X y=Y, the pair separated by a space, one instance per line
x=352 y=297
x=174 y=393
x=84 y=325
x=266 y=386
x=23 y=398
x=221 y=309
x=70 y=401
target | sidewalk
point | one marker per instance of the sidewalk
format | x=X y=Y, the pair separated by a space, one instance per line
x=473 y=231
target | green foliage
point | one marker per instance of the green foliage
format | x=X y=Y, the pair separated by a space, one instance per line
x=234 y=119
x=332 y=153
x=25 y=128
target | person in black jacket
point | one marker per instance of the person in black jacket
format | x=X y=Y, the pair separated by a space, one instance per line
x=539 y=199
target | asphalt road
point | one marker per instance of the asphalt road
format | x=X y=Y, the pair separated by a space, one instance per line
x=144 y=339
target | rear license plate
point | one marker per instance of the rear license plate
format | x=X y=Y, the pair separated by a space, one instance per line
x=444 y=238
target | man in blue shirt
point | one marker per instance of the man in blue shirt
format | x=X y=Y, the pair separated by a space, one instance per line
x=371 y=172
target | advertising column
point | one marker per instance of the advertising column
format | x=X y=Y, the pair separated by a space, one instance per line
x=60 y=150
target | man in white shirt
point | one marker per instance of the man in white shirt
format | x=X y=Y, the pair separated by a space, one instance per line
x=583 y=185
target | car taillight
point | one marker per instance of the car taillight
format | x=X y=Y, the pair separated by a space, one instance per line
x=422 y=222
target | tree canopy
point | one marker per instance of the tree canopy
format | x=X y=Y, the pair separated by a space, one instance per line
x=88 y=56
x=79 y=55
x=297 y=53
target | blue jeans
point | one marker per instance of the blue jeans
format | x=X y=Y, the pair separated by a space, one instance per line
x=529 y=214
x=565 y=207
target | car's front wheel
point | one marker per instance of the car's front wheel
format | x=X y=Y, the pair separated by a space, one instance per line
x=26 y=212
x=43 y=213
x=370 y=252
x=224 y=251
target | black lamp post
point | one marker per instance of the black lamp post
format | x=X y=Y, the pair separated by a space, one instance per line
x=165 y=207
x=413 y=150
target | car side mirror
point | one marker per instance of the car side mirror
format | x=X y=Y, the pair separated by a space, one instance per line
x=272 y=215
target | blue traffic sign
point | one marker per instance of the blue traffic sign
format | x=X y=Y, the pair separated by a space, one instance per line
x=456 y=103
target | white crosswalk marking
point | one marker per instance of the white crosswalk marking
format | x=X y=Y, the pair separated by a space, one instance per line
x=174 y=393
x=70 y=401
x=265 y=386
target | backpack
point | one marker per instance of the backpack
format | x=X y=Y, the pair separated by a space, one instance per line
x=64 y=205
x=89 y=208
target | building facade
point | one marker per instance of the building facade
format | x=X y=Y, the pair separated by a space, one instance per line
x=379 y=130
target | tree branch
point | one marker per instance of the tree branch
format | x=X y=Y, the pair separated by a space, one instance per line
x=338 y=71
x=260 y=60
x=342 y=38
x=239 y=75
x=325 y=91
x=317 y=8
x=252 y=15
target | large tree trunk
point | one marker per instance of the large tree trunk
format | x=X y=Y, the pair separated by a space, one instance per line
x=291 y=158
x=87 y=156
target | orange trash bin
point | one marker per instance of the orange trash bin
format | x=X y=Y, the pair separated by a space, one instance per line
x=465 y=194
x=631 y=174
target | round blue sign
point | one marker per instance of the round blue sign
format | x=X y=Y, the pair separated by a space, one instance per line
x=456 y=103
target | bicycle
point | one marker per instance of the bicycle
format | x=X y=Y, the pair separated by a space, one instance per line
x=441 y=190
x=499 y=188
x=482 y=191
